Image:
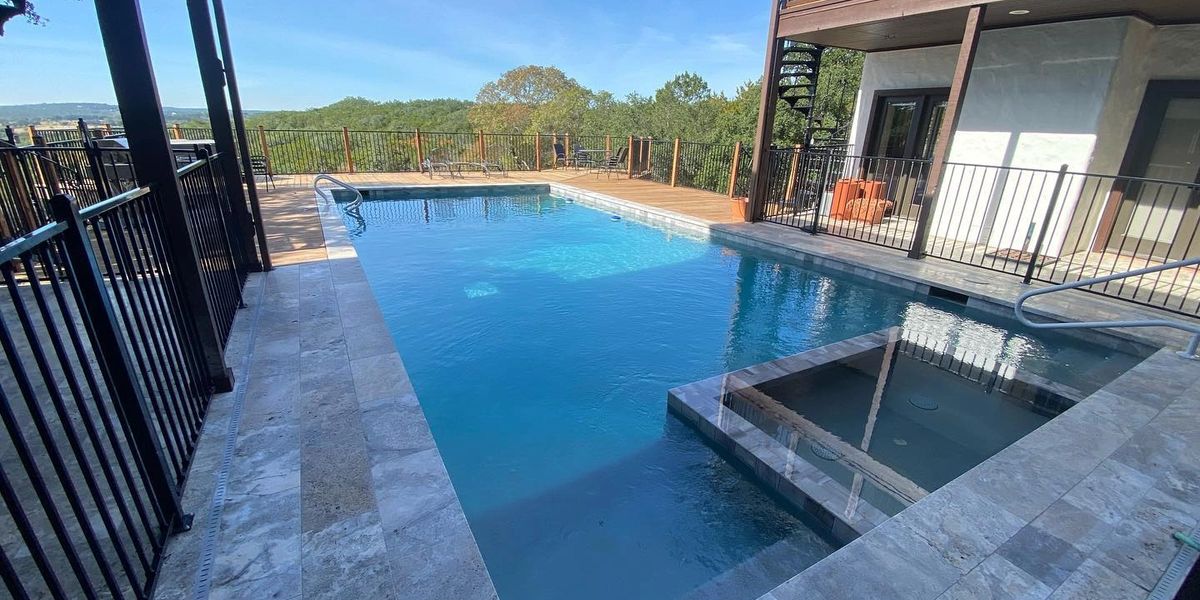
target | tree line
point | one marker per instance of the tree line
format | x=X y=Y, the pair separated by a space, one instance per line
x=532 y=99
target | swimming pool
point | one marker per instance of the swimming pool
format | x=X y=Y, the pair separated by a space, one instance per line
x=541 y=337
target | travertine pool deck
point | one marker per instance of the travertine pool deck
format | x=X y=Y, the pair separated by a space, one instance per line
x=318 y=477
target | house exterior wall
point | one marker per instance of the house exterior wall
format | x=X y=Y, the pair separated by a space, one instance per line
x=1039 y=97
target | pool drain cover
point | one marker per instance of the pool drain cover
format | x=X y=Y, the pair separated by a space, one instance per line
x=923 y=403
x=823 y=451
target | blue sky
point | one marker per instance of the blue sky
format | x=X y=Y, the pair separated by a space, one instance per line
x=303 y=53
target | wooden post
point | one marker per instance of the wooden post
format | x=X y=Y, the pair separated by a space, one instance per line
x=650 y=154
x=941 y=147
x=537 y=151
x=629 y=157
x=21 y=193
x=567 y=145
x=607 y=147
x=176 y=132
x=765 y=128
x=675 y=163
x=266 y=150
x=32 y=131
x=420 y=151
x=346 y=149
x=733 y=170
x=482 y=148
x=793 y=172
x=107 y=129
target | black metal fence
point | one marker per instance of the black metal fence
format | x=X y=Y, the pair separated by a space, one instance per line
x=105 y=385
x=102 y=397
x=1050 y=226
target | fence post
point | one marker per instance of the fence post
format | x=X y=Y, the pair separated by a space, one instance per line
x=650 y=155
x=176 y=132
x=629 y=157
x=482 y=148
x=32 y=131
x=420 y=151
x=21 y=193
x=1041 y=239
x=537 y=151
x=266 y=150
x=567 y=145
x=793 y=173
x=675 y=163
x=10 y=134
x=607 y=147
x=107 y=128
x=346 y=149
x=733 y=171
x=111 y=351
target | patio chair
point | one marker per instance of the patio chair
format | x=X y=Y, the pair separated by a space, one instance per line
x=560 y=155
x=259 y=167
x=612 y=164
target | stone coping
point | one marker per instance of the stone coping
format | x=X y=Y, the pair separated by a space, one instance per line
x=1082 y=507
x=846 y=514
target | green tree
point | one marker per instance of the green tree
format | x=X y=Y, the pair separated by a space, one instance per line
x=509 y=104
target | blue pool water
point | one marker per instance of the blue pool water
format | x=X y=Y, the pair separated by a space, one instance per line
x=542 y=336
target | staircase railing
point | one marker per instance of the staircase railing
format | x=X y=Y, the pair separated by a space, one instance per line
x=1194 y=328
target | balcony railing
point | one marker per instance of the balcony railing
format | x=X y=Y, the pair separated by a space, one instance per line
x=1049 y=226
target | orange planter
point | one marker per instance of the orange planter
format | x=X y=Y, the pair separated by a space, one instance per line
x=844 y=191
x=738 y=207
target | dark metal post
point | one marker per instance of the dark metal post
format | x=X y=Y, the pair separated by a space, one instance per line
x=141 y=110
x=941 y=146
x=114 y=359
x=10 y=134
x=212 y=76
x=239 y=124
x=1037 y=247
x=760 y=162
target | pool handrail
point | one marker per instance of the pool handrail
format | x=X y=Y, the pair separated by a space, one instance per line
x=329 y=198
x=1193 y=346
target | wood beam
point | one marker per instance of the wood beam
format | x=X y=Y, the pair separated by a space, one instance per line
x=945 y=138
x=764 y=130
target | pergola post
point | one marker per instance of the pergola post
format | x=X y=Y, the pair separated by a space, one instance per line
x=141 y=111
x=764 y=130
x=239 y=124
x=941 y=147
x=212 y=76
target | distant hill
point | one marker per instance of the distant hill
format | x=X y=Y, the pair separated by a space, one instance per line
x=441 y=114
x=93 y=112
x=355 y=113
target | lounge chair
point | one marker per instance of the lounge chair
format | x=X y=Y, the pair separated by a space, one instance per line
x=519 y=162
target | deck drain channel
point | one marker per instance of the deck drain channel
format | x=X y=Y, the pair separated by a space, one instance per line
x=215 y=509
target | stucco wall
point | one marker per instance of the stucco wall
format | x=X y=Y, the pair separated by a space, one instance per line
x=1039 y=97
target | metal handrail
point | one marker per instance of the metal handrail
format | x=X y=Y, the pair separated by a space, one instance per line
x=1193 y=328
x=335 y=180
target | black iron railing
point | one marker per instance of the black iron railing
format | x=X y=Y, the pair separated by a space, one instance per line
x=222 y=263
x=1050 y=226
x=102 y=397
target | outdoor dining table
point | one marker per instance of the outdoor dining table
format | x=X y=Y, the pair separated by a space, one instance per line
x=594 y=156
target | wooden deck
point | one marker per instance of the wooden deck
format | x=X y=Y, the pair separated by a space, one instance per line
x=294 y=231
